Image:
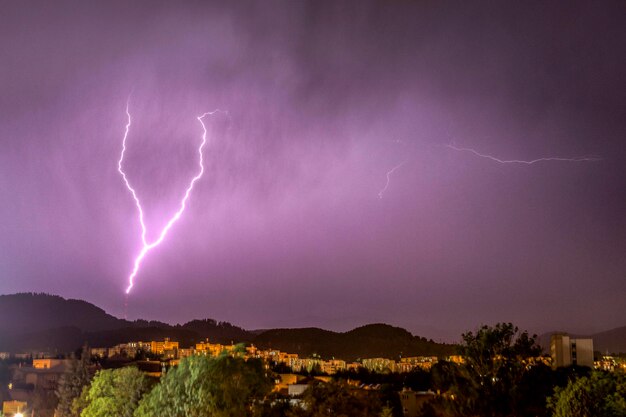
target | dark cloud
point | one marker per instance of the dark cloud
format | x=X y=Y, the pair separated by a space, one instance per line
x=324 y=98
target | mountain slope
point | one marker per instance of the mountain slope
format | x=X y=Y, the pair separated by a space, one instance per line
x=46 y=322
x=42 y=322
x=221 y=332
x=370 y=341
x=613 y=341
x=36 y=312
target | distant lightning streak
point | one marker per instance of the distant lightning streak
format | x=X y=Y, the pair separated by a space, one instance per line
x=517 y=161
x=391 y=171
x=147 y=246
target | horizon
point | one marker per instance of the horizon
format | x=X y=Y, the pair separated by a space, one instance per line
x=538 y=335
x=435 y=166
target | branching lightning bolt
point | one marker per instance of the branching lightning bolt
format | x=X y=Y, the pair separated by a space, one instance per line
x=391 y=171
x=533 y=161
x=147 y=246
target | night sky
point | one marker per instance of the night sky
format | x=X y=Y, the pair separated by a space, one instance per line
x=286 y=227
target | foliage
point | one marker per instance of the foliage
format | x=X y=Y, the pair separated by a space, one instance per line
x=417 y=379
x=386 y=412
x=80 y=403
x=43 y=399
x=5 y=378
x=337 y=399
x=391 y=399
x=601 y=394
x=5 y=373
x=497 y=359
x=114 y=393
x=201 y=386
x=71 y=384
x=275 y=405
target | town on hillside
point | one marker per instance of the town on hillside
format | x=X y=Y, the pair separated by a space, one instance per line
x=31 y=379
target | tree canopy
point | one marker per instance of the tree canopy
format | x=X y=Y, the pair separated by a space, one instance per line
x=71 y=384
x=488 y=382
x=337 y=399
x=114 y=393
x=600 y=394
x=202 y=386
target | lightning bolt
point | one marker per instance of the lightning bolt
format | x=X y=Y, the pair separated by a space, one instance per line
x=147 y=246
x=533 y=161
x=391 y=171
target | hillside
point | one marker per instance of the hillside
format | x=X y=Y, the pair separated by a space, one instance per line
x=221 y=332
x=36 y=312
x=613 y=341
x=370 y=341
x=51 y=323
x=46 y=322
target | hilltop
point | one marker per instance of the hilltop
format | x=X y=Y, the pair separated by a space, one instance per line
x=30 y=321
x=51 y=323
x=370 y=341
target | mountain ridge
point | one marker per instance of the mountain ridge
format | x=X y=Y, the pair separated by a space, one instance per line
x=38 y=321
x=54 y=324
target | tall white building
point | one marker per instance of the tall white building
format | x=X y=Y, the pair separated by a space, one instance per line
x=566 y=351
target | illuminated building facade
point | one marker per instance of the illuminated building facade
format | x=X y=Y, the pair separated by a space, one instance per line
x=566 y=351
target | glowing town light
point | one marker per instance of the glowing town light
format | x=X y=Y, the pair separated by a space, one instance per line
x=391 y=171
x=533 y=161
x=147 y=246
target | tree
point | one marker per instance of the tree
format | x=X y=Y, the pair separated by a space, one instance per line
x=276 y=405
x=71 y=384
x=201 y=386
x=336 y=399
x=386 y=412
x=43 y=401
x=114 y=393
x=601 y=394
x=5 y=378
x=496 y=360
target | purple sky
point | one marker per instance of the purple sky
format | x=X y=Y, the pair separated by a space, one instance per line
x=286 y=228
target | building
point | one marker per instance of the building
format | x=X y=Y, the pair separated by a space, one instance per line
x=408 y=364
x=333 y=366
x=32 y=384
x=50 y=363
x=44 y=374
x=566 y=351
x=283 y=381
x=99 y=352
x=295 y=390
x=129 y=350
x=380 y=365
x=413 y=401
x=159 y=348
x=212 y=349
x=11 y=408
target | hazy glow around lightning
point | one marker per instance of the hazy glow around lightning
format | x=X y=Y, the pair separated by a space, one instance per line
x=533 y=161
x=146 y=245
x=391 y=171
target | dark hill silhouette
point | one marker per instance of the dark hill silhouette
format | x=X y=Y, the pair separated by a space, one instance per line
x=613 y=341
x=30 y=321
x=370 y=341
x=304 y=341
x=42 y=322
x=221 y=332
x=43 y=311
